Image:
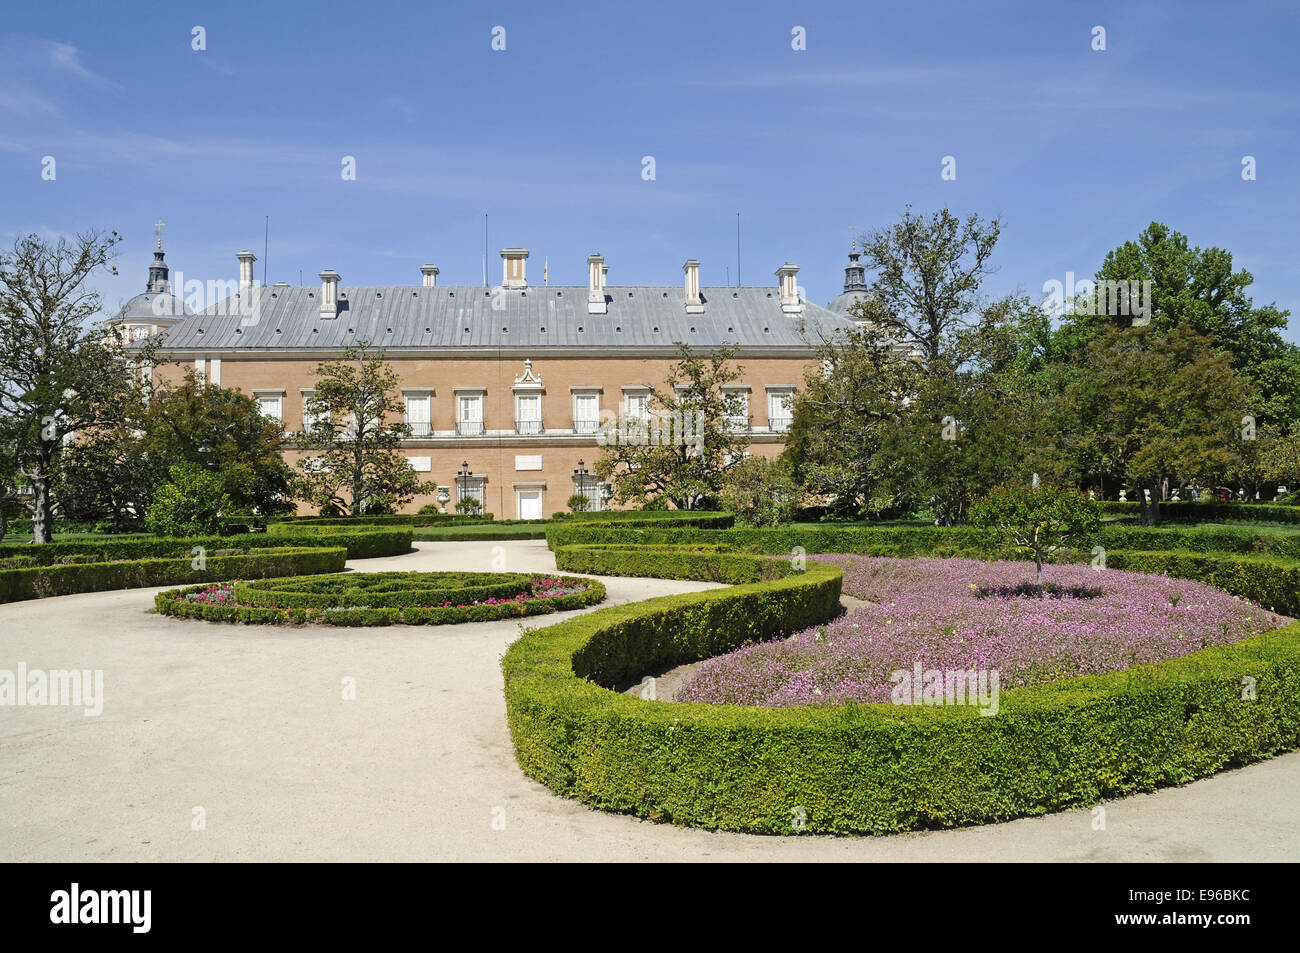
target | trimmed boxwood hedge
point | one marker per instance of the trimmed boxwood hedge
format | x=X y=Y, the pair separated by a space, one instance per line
x=893 y=540
x=491 y=531
x=363 y=542
x=172 y=603
x=1186 y=511
x=867 y=769
x=39 y=582
x=388 y=519
x=382 y=589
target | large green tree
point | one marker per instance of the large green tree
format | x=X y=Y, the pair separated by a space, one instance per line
x=352 y=460
x=682 y=452
x=1196 y=288
x=63 y=373
x=927 y=276
x=224 y=432
x=1147 y=406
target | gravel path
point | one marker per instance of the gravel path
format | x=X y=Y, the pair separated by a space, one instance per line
x=246 y=728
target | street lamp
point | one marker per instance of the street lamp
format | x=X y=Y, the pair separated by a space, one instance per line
x=581 y=476
x=463 y=476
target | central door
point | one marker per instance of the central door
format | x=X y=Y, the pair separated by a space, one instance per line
x=530 y=504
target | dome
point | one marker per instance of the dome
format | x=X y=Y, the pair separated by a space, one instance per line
x=841 y=303
x=155 y=307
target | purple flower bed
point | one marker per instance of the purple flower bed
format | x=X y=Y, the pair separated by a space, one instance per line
x=966 y=614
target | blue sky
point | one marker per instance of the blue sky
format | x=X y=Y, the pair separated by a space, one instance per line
x=1076 y=150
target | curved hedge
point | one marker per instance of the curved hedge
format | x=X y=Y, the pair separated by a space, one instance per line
x=173 y=603
x=38 y=582
x=361 y=542
x=383 y=589
x=858 y=769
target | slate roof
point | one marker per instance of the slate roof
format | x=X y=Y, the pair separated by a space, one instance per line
x=536 y=318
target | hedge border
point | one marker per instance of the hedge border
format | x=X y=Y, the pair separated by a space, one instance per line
x=267 y=592
x=170 y=603
x=1187 y=511
x=39 y=582
x=868 y=769
x=365 y=542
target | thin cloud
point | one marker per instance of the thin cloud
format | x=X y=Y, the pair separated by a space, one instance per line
x=67 y=58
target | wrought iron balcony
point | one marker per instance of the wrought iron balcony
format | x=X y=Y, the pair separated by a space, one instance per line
x=469 y=428
x=528 y=426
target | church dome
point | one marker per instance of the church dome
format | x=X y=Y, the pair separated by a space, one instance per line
x=156 y=306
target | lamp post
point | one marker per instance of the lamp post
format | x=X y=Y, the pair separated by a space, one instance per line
x=463 y=476
x=581 y=476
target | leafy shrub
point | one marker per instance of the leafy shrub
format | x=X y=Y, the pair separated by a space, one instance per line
x=760 y=492
x=42 y=581
x=469 y=506
x=1039 y=518
x=578 y=503
x=191 y=503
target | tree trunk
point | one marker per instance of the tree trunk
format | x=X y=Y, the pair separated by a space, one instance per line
x=1151 y=511
x=42 y=509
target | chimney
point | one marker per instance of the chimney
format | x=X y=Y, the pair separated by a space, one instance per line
x=329 y=294
x=785 y=275
x=513 y=261
x=246 y=259
x=694 y=305
x=430 y=273
x=596 y=285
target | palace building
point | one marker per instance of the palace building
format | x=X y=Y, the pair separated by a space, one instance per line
x=505 y=388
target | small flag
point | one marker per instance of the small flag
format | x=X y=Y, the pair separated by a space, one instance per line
x=546 y=269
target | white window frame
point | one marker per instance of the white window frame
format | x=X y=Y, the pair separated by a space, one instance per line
x=467 y=398
x=532 y=423
x=262 y=396
x=591 y=422
x=780 y=406
x=416 y=398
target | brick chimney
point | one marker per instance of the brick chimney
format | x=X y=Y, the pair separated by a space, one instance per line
x=513 y=262
x=246 y=259
x=694 y=304
x=329 y=294
x=596 y=285
x=785 y=275
x=430 y=273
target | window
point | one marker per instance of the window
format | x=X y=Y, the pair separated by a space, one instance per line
x=469 y=414
x=308 y=418
x=638 y=406
x=589 y=486
x=738 y=418
x=469 y=488
x=528 y=413
x=780 y=409
x=417 y=414
x=200 y=369
x=586 y=413
x=271 y=406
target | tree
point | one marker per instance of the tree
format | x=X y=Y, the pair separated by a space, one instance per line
x=224 y=432
x=1148 y=406
x=109 y=476
x=849 y=400
x=1040 y=517
x=682 y=452
x=928 y=273
x=191 y=503
x=578 y=503
x=61 y=374
x=352 y=459
x=1196 y=288
x=760 y=492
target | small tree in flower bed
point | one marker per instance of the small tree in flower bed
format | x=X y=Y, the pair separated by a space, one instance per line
x=1040 y=517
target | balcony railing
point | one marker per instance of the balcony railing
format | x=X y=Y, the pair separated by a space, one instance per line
x=586 y=426
x=738 y=423
x=528 y=426
x=469 y=428
x=420 y=429
x=779 y=423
